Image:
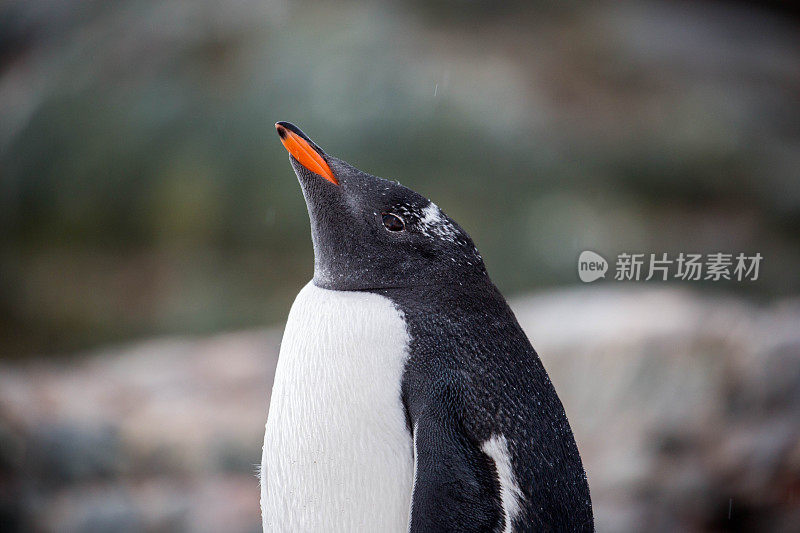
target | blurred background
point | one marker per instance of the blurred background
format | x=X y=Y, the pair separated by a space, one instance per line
x=153 y=235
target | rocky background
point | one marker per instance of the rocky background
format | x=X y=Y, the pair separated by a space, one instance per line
x=685 y=408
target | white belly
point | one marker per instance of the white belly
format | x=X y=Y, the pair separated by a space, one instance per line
x=337 y=452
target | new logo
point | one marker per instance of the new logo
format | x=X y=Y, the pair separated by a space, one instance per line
x=591 y=266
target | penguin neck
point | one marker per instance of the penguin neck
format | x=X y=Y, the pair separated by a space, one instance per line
x=469 y=296
x=326 y=276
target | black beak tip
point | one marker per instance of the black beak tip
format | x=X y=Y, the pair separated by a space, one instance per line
x=284 y=128
x=280 y=126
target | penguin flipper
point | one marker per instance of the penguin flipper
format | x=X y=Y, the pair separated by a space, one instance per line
x=453 y=481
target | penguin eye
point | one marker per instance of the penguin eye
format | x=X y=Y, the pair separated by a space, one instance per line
x=392 y=222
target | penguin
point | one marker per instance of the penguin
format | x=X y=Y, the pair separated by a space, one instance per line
x=406 y=395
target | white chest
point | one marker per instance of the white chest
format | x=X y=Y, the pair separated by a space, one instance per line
x=337 y=452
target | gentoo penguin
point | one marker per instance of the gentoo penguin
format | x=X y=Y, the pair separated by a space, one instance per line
x=407 y=397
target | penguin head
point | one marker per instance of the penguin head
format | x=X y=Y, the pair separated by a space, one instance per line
x=372 y=233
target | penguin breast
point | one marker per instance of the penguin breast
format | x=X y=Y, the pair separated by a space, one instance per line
x=337 y=453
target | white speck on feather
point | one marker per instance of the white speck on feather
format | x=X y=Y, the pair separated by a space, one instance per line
x=510 y=493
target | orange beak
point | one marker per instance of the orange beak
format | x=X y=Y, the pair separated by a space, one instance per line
x=304 y=153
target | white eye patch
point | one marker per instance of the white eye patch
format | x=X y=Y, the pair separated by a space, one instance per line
x=433 y=223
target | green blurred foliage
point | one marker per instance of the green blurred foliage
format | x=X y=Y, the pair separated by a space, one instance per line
x=143 y=190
